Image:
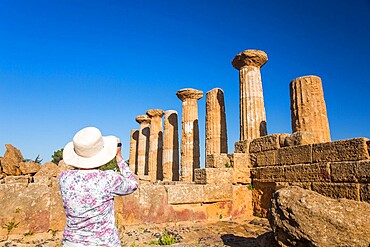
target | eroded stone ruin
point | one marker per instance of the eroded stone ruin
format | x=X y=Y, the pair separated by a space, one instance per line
x=235 y=185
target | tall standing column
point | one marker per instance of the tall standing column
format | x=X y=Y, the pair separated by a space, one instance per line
x=134 y=137
x=143 y=145
x=170 y=147
x=252 y=108
x=155 y=145
x=308 y=108
x=190 y=132
x=216 y=135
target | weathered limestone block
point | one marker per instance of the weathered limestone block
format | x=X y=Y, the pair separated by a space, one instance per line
x=308 y=108
x=29 y=206
x=252 y=109
x=185 y=193
x=346 y=150
x=282 y=138
x=132 y=162
x=216 y=135
x=190 y=152
x=265 y=158
x=217 y=210
x=155 y=145
x=241 y=164
x=64 y=167
x=318 y=172
x=265 y=143
x=17 y=179
x=57 y=214
x=143 y=145
x=213 y=175
x=170 y=147
x=43 y=180
x=242 y=177
x=299 y=138
x=29 y=167
x=152 y=201
x=295 y=155
x=218 y=192
x=217 y=161
x=338 y=190
x=307 y=172
x=149 y=205
x=240 y=161
x=301 y=217
x=143 y=179
x=261 y=196
x=200 y=175
x=128 y=208
x=355 y=171
x=11 y=160
x=242 y=146
x=303 y=185
x=186 y=212
x=365 y=192
x=242 y=202
x=49 y=169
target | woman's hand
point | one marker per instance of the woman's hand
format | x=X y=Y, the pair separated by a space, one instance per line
x=119 y=148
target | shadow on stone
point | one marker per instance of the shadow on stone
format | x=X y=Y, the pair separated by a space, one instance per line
x=267 y=240
x=237 y=241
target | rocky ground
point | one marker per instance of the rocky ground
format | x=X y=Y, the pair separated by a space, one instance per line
x=187 y=234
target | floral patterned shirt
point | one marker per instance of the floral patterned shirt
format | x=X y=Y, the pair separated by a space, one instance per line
x=88 y=204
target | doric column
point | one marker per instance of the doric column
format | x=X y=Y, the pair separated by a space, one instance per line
x=155 y=145
x=216 y=135
x=170 y=147
x=190 y=132
x=143 y=145
x=252 y=108
x=308 y=108
x=134 y=137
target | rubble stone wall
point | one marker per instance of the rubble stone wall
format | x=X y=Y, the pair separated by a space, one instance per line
x=31 y=202
x=339 y=169
x=37 y=207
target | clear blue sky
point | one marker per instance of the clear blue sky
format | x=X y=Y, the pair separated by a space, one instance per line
x=65 y=65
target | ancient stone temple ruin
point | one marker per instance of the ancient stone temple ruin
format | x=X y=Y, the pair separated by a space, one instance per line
x=174 y=187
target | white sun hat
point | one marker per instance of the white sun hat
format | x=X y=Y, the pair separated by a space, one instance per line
x=89 y=149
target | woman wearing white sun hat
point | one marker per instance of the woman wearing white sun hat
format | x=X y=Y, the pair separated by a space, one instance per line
x=88 y=192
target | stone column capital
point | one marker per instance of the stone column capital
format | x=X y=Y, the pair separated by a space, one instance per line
x=189 y=93
x=155 y=113
x=255 y=58
x=143 y=119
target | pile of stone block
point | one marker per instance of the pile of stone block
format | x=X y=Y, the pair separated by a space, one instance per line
x=339 y=169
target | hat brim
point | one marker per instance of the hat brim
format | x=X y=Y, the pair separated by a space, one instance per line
x=104 y=156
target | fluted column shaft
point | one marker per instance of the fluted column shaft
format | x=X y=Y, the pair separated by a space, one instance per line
x=134 y=137
x=252 y=108
x=170 y=147
x=143 y=145
x=155 y=145
x=216 y=135
x=190 y=133
x=308 y=108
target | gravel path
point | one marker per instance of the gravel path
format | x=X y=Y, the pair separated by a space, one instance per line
x=187 y=234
